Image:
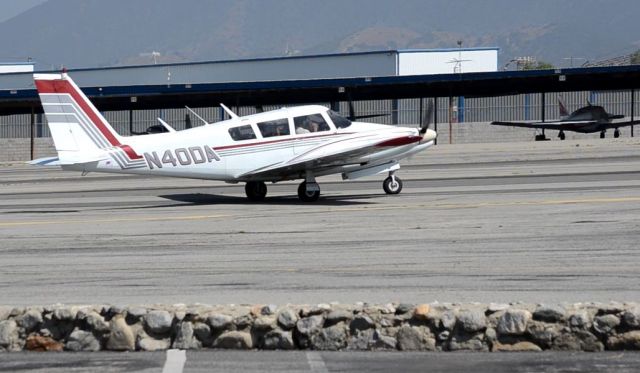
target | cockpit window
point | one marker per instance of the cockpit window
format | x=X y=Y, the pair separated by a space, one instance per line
x=242 y=133
x=339 y=120
x=310 y=123
x=279 y=127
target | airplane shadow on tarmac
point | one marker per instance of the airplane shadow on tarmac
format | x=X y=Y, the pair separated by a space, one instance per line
x=213 y=199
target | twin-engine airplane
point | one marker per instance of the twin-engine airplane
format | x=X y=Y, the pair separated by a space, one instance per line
x=587 y=119
x=286 y=144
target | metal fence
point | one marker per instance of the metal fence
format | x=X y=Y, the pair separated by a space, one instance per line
x=401 y=112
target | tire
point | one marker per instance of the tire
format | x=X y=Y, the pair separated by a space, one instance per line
x=616 y=133
x=256 y=190
x=390 y=187
x=602 y=135
x=307 y=196
x=561 y=136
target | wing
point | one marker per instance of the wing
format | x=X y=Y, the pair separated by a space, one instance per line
x=623 y=124
x=555 y=125
x=338 y=153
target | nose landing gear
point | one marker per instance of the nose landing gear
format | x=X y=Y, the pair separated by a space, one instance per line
x=392 y=184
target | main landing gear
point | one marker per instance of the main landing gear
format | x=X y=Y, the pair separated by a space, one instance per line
x=255 y=190
x=308 y=192
x=616 y=133
x=561 y=135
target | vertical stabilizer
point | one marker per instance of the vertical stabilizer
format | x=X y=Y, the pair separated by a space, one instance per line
x=78 y=129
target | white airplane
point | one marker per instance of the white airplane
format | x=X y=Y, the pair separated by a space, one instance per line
x=286 y=144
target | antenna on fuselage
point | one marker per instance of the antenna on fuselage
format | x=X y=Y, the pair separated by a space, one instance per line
x=196 y=114
x=231 y=113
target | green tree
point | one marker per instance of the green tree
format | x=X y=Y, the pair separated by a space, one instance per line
x=635 y=57
x=537 y=65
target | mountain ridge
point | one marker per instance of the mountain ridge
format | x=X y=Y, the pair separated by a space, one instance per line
x=95 y=33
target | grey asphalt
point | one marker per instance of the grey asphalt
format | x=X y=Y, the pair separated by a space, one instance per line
x=535 y=222
x=323 y=362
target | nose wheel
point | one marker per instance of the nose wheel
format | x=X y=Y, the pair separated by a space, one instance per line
x=392 y=185
x=256 y=190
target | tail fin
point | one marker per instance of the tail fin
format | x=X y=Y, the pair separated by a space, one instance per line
x=78 y=129
x=562 y=108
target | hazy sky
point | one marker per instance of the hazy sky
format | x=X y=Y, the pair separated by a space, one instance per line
x=11 y=8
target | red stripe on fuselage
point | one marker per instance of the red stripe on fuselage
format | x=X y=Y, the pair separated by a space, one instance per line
x=64 y=87
x=399 y=141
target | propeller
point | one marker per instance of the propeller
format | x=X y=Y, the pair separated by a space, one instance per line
x=427 y=117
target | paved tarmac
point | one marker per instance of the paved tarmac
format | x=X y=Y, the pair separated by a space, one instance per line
x=536 y=222
x=319 y=362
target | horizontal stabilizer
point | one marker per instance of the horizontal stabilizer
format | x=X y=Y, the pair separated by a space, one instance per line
x=47 y=161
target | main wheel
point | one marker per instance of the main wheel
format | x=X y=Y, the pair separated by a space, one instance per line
x=616 y=133
x=602 y=134
x=561 y=135
x=256 y=190
x=305 y=195
x=392 y=186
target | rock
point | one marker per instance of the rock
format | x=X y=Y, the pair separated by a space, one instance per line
x=5 y=312
x=384 y=342
x=579 y=340
x=287 y=319
x=9 y=337
x=549 y=313
x=96 y=322
x=543 y=333
x=152 y=344
x=278 y=340
x=497 y=307
x=414 y=339
x=65 y=313
x=472 y=321
x=444 y=335
x=80 y=340
x=580 y=320
x=490 y=335
x=310 y=325
x=448 y=319
x=513 y=322
x=337 y=316
x=404 y=308
x=137 y=312
x=234 y=340
x=30 y=320
x=631 y=318
x=158 y=322
x=625 y=341
x=219 y=321
x=40 y=343
x=421 y=311
x=265 y=323
x=467 y=342
x=243 y=321
x=333 y=338
x=185 y=339
x=605 y=324
x=121 y=337
x=361 y=322
x=202 y=331
x=268 y=310
x=516 y=347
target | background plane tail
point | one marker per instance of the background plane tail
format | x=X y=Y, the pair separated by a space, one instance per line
x=80 y=133
x=562 y=108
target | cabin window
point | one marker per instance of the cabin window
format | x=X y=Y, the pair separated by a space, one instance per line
x=242 y=133
x=310 y=123
x=338 y=120
x=273 y=128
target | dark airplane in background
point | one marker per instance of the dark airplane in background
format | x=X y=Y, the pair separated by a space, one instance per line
x=588 y=119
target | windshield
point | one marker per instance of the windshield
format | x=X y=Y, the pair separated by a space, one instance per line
x=339 y=120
